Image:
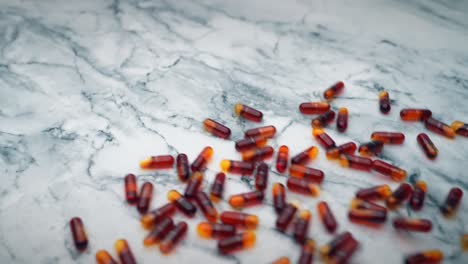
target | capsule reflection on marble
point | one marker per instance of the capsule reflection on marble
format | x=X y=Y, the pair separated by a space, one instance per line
x=306 y=173
x=400 y=195
x=149 y=220
x=159 y=232
x=261 y=177
x=301 y=226
x=206 y=206
x=347 y=148
x=464 y=242
x=173 y=238
x=78 y=232
x=307 y=252
x=324 y=119
x=395 y=138
x=414 y=225
x=355 y=162
x=183 y=167
x=314 y=108
x=411 y=114
x=326 y=216
x=323 y=138
x=344 y=252
x=146 y=194
x=418 y=196
x=250 y=143
x=239 y=219
x=237 y=167
x=305 y=156
x=248 y=113
x=217 y=188
x=460 y=128
x=363 y=204
x=281 y=260
x=266 y=132
x=380 y=192
x=193 y=185
x=214 y=230
x=131 y=194
x=247 y=199
x=124 y=252
x=237 y=242
x=302 y=187
x=427 y=146
x=279 y=197
x=199 y=164
x=184 y=206
x=426 y=257
x=334 y=90
x=103 y=257
x=389 y=170
x=439 y=127
x=367 y=217
x=282 y=159
x=342 y=120
x=258 y=154
x=285 y=217
x=157 y=162
x=216 y=129
x=384 y=102
x=328 y=250
x=372 y=148
x=452 y=202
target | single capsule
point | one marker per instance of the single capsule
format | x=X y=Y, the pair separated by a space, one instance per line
x=183 y=167
x=78 y=232
x=149 y=220
x=214 y=230
x=131 y=194
x=464 y=242
x=314 y=108
x=418 y=196
x=410 y=114
x=323 y=120
x=258 y=154
x=307 y=252
x=389 y=170
x=373 y=148
x=306 y=173
x=103 y=257
x=282 y=159
x=285 y=217
x=159 y=232
x=239 y=219
x=199 y=164
x=174 y=237
x=124 y=252
x=157 y=162
x=460 y=128
x=367 y=217
x=302 y=187
x=452 y=202
x=345 y=252
x=347 y=148
x=206 y=206
x=237 y=167
x=216 y=129
x=415 y=225
x=217 y=188
x=184 y=206
x=301 y=226
x=439 y=127
x=342 y=120
x=146 y=194
x=261 y=177
x=323 y=138
x=326 y=216
x=380 y=192
x=248 y=113
x=279 y=197
x=401 y=194
x=305 y=156
x=266 y=132
x=426 y=257
x=427 y=145
x=193 y=185
x=247 y=199
x=332 y=247
x=281 y=260
x=384 y=102
x=250 y=143
x=368 y=205
x=237 y=242
x=395 y=138
x=333 y=91
x=355 y=162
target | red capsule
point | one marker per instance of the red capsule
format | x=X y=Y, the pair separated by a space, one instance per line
x=250 y=143
x=124 y=252
x=184 y=206
x=214 y=230
x=199 y=164
x=157 y=162
x=183 y=167
x=344 y=253
x=258 y=154
x=355 y=162
x=335 y=244
x=384 y=102
x=237 y=167
x=103 y=257
x=174 y=237
x=301 y=226
x=193 y=185
x=282 y=159
x=439 y=127
x=146 y=194
x=159 y=232
x=266 y=132
x=307 y=252
x=217 y=129
x=314 y=108
x=452 y=202
x=373 y=148
x=427 y=257
x=342 y=120
x=279 y=197
x=246 y=199
x=460 y=128
x=237 y=242
x=326 y=216
x=419 y=194
x=217 y=188
x=239 y=219
x=149 y=220
x=206 y=206
x=333 y=91
x=414 y=225
x=323 y=138
x=389 y=170
x=131 y=189
x=323 y=120
x=410 y=114
x=347 y=148
x=380 y=192
x=306 y=173
x=261 y=177
x=427 y=146
x=396 y=138
x=248 y=113
x=285 y=217
x=305 y=156
x=302 y=186
x=368 y=205
x=400 y=195
x=78 y=232
x=367 y=217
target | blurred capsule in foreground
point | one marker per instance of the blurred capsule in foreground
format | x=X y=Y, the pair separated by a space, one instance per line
x=206 y=206
x=355 y=162
x=237 y=167
x=332 y=247
x=124 y=252
x=131 y=194
x=307 y=252
x=279 y=196
x=183 y=167
x=380 y=192
x=248 y=112
x=326 y=216
x=344 y=252
x=78 y=233
x=384 y=102
x=157 y=162
x=215 y=230
x=237 y=242
x=281 y=260
x=452 y=202
x=399 y=196
x=460 y=128
x=216 y=129
x=184 y=206
x=464 y=242
x=174 y=237
x=314 y=108
x=426 y=257
x=334 y=91
x=285 y=217
x=258 y=154
x=368 y=205
x=247 y=199
x=261 y=177
x=301 y=226
x=239 y=219
x=439 y=127
x=418 y=196
x=103 y=257
x=306 y=173
x=193 y=185
x=323 y=138
x=305 y=156
x=302 y=186
x=217 y=188
x=412 y=224
x=266 y=132
x=373 y=148
x=282 y=159
x=427 y=146
x=396 y=138
x=199 y=164
x=342 y=120
x=347 y=148
x=389 y=170
x=249 y=143
x=324 y=119
x=159 y=232
x=412 y=114
x=144 y=200
x=149 y=220
x=367 y=217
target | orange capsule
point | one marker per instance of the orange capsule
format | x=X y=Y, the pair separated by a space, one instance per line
x=239 y=219
x=326 y=216
x=334 y=91
x=216 y=129
x=302 y=186
x=131 y=194
x=214 y=230
x=368 y=205
x=281 y=260
x=183 y=167
x=323 y=138
x=380 y=192
x=323 y=120
x=157 y=162
x=246 y=199
x=439 y=127
x=342 y=120
x=388 y=169
x=248 y=113
x=301 y=226
x=307 y=252
x=344 y=252
x=427 y=146
x=388 y=137
x=124 y=252
x=411 y=114
x=279 y=197
x=159 y=232
x=400 y=195
x=427 y=257
x=464 y=242
x=217 y=189
x=174 y=237
x=249 y=143
x=384 y=102
x=314 y=108
x=285 y=217
x=258 y=154
x=146 y=194
x=78 y=232
x=367 y=217
x=184 y=206
x=372 y=148
x=460 y=128
x=282 y=159
x=418 y=196
x=305 y=156
x=414 y=225
x=347 y=148
x=237 y=242
x=306 y=173
x=237 y=167
x=355 y=162
x=193 y=185
x=149 y=220
x=199 y=164
x=261 y=177
x=206 y=206
x=103 y=257
x=336 y=243
x=266 y=132
x=452 y=202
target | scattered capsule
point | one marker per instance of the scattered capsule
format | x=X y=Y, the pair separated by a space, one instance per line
x=460 y=128
x=380 y=192
x=159 y=232
x=146 y=194
x=248 y=113
x=281 y=260
x=103 y=257
x=464 y=242
x=193 y=185
x=78 y=232
x=149 y=220
x=326 y=216
x=323 y=138
x=347 y=148
x=216 y=129
x=214 y=230
x=279 y=197
x=173 y=238
x=384 y=102
x=307 y=252
x=131 y=194
x=305 y=156
x=157 y=162
x=334 y=91
x=415 y=225
x=247 y=199
x=285 y=217
x=239 y=219
x=401 y=194
x=452 y=202
x=217 y=188
x=367 y=217
x=306 y=173
x=266 y=132
x=250 y=143
x=409 y=114
x=237 y=242
x=344 y=252
x=199 y=164
x=427 y=146
x=389 y=170
x=301 y=226
x=342 y=120
x=206 y=206
x=237 y=167
x=418 y=196
x=183 y=167
x=261 y=177
x=258 y=154
x=184 y=206
x=302 y=187
x=124 y=252
x=323 y=120
x=373 y=148
x=439 y=127
x=282 y=159
x=426 y=257
x=328 y=250
x=395 y=138
x=314 y=108
x=368 y=205
x=355 y=162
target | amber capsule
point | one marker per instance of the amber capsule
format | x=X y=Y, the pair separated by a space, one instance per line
x=103 y=257
x=216 y=129
x=199 y=164
x=326 y=216
x=281 y=260
x=279 y=197
x=347 y=148
x=159 y=232
x=426 y=257
x=266 y=132
x=237 y=167
x=306 y=173
x=396 y=138
x=285 y=217
x=414 y=225
x=215 y=230
x=207 y=207
x=401 y=194
x=380 y=192
x=301 y=226
x=246 y=199
x=334 y=90
x=427 y=146
x=372 y=148
x=307 y=252
x=464 y=242
x=452 y=202
x=124 y=252
x=460 y=128
x=131 y=189
x=305 y=156
x=193 y=185
x=239 y=219
x=384 y=102
x=173 y=238
x=261 y=177
x=217 y=188
x=282 y=159
x=78 y=232
x=363 y=204
x=389 y=170
x=439 y=127
x=250 y=143
x=367 y=217
x=410 y=114
x=181 y=203
x=183 y=167
x=302 y=186
x=248 y=113
x=314 y=108
x=157 y=162
x=344 y=253
x=146 y=194
x=237 y=242
x=323 y=120
x=154 y=217
x=323 y=138
x=258 y=154
x=355 y=162
x=418 y=196
x=328 y=250
x=342 y=120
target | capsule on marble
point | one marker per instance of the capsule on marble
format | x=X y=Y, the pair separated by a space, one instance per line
x=206 y=206
x=314 y=108
x=389 y=170
x=344 y=252
x=414 y=225
x=342 y=120
x=249 y=143
x=418 y=196
x=305 y=156
x=248 y=112
x=157 y=162
x=464 y=242
x=174 y=237
x=184 y=206
x=439 y=127
x=237 y=167
x=78 y=232
x=258 y=154
x=460 y=128
x=302 y=186
x=124 y=252
x=355 y=162
x=347 y=148
x=332 y=247
x=306 y=173
x=146 y=194
x=282 y=159
x=380 y=192
x=266 y=132
x=412 y=114
x=131 y=194
x=363 y=204
x=395 y=138
x=103 y=257
x=326 y=216
x=367 y=217
x=239 y=219
x=279 y=197
x=247 y=199
x=193 y=185
x=217 y=188
x=183 y=167
x=159 y=232
x=323 y=138
x=334 y=91
x=452 y=202
x=400 y=195
x=384 y=102
x=426 y=257
x=237 y=242
x=307 y=252
x=149 y=220
x=281 y=260
x=215 y=230
x=261 y=177
x=199 y=164
x=324 y=119
x=216 y=129
x=427 y=146
x=372 y=148
x=301 y=226
x=285 y=217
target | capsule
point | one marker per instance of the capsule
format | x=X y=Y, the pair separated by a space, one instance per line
x=302 y=186
x=401 y=194
x=248 y=113
x=301 y=226
x=328 y=250
x=216 y=129
x=146 y=194
x=183 y=167
x=395 y=138
x=237 y=167
x=439 y=127
x=193 y=185
x=184 y=206
x=266 y=132
x=285 y=217
x=258 y=154
x=159 y=232
x=426 y=257
x=380 y=192
x=314 y=108
x=307 y=252
x=199 y=164
x=131 y=194
x=247 y=199
x=347 y=148
x=355 y=162
x=452 y=202
x=373 y=148
x=103 y=257
x=206 y=206
x=323 y=138
x=384 y=102
x=464 y=242
x=124 y=252
x=368 y=205
x=427 y=145
x=326 y=216
x=323 y=120
x=342 y=120
x=239 y=219
x=282 y=159
x=215 y=230
x=173 y=238
x=250 y=143
x=78 y=232
x=279 y=197
x=367 y=217
x=306 y=173
x=217 y=188
x=261 y=177
x=305 y=156
x=410 y=114
x=389 y=170
x=149 y=220
x=415 y=225
x=344 y=253
x=281 y=260
x=237 y=242
x=157 y=162
x=418 y=196
x=460 y=128
x=333 y=91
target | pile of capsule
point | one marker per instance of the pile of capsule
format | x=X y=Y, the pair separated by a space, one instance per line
x=234 y=230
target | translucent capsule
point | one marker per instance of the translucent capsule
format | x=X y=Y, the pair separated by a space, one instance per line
x=306 y=173
x=146 y=194
x=281 y=260
x=384 y=102
x=427 y=257
x=237 y=242
x=266 y=132
x=452 y=202
x=418 y=196
x=439 y=127
x=131 y=194
x=307 y=252
x=396 y=138
x=279 y=197
x=344 y=252
x=239 y=219
x=78 y=232
x=206 y=206
x=347 y=148
x=460 y=128
x=323 y=138
x=193 y=185
x=342 y=120
x=124 y=252
x=103 y=257
x=334 y=91
x=159 y=232
x=326 y=216
x=282 y=159
x=464 y=242
x=258 y=154
x=373 y=148
x=149 y=220
x=367 y=217
x=183 y=167
x=400 y=195
x=174 y=237
x=248 y=113
x=411 y=114
x=389 y=170
x=323 y=120
x=214 y=230
x=302 y=186
x=427 y=146
x=216 y=129
x=184 y=206
x=305 y=156
x=301 y=226
x=363 y=204
x=250 y=143
x=314 y=108
x=355 y=162
x=285 y=217
x=261 y=177
x=199 y=164
x=217 y=188
x=157 y=162
x=414 y=225
x=237 y=167
x=380 y=192
x=332 y=247
x=247 y=199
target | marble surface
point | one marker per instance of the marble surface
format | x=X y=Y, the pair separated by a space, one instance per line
x=90 y=88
